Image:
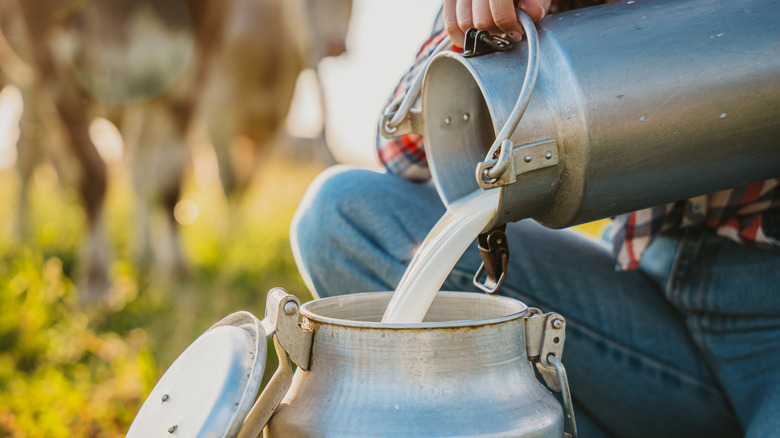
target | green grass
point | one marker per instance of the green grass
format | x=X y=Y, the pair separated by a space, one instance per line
x=67 y=371
x=70 y=371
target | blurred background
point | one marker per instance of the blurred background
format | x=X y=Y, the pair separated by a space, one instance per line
x=152 y=155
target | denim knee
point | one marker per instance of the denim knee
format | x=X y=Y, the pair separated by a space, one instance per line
x=357 y=229
x=313 y=233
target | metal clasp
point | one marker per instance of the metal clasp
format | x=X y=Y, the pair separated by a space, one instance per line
x=511 y=162
x=281 y=321
x=480 y=42
x=495 y=259
x=545 y=334
x=291 y=342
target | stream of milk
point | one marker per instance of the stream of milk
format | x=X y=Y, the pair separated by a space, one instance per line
x=438 y=254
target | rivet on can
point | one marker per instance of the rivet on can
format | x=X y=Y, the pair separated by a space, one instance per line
x=548 y=155
x=527 y=159
x=172 y=429
x=557 y=323
x=466 y=117
x=290 y=308
x=447 y=120
x=165 y=397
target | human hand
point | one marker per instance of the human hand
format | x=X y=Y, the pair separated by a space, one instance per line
x=494 y=16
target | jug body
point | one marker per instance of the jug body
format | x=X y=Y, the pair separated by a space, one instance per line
x=642 y=103
x=462 y=372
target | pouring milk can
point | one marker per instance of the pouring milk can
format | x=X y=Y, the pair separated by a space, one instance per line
x=464 y=371
x=621 y=107
x=636 y=104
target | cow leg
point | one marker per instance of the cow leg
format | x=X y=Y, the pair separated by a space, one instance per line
x=221 y=123
x=183 y=111
x=29 y=154
x=70 y=101
x=92 y=188
x=159 y=155
x=132 y=125
x=170 y=195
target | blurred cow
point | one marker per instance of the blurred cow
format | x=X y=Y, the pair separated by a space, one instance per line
x=99 y=57
x=264 y=48
x=144 y=65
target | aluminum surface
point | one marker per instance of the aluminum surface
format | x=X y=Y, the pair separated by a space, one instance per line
x=210 y=387
x=464 y=372
x=649 y=102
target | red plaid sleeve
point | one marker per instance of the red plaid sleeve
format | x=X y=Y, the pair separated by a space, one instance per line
x=745 y=214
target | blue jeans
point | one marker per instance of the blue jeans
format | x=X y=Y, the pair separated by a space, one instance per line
x=687 y=345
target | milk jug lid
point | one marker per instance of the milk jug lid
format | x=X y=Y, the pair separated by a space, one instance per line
x=211 y=386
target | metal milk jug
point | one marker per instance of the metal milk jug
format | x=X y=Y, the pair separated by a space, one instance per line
x=465 y=371
x=636 y=104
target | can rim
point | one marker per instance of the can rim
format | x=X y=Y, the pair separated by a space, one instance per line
x=318 y=310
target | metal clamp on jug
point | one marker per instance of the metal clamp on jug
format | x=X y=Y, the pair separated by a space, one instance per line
x=636 y=104
x=464 y=371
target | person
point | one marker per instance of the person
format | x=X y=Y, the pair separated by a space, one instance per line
x=673 y=317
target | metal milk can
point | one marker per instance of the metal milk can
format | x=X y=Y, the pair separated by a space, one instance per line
x=467 y=370
x=635 y=104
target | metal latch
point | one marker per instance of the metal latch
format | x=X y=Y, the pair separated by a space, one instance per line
x=545 y=334
x=480 y=42
x=495 y=259
x=281 y=321
x=523 y=159
x=291 y=342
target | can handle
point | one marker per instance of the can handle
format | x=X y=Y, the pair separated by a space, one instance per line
x=397 y=119
x=291 y=342
x=490 y=170
x=563 y=381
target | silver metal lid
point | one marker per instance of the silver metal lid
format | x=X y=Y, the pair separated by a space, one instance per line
x=209 y=389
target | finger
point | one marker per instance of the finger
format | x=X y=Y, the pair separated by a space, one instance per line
x=545 y=6
x=451 y=23
x=465 y=18
x=482 y=16
x=533 y=8
x=505 y=17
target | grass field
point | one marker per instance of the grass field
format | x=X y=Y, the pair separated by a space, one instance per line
x=66 y=371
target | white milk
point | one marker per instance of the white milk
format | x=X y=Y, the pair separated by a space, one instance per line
x=438 y=254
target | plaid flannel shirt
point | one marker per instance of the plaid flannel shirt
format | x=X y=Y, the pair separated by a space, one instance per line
x=748 y=214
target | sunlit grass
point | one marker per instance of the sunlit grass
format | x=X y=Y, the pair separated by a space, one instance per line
x=65 y=371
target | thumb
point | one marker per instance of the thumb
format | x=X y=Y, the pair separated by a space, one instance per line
x=536 y=9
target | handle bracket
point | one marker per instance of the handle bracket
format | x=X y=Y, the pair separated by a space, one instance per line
x=523 y=159
x=291 y=342
x=411 y=124
x=281 y=320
